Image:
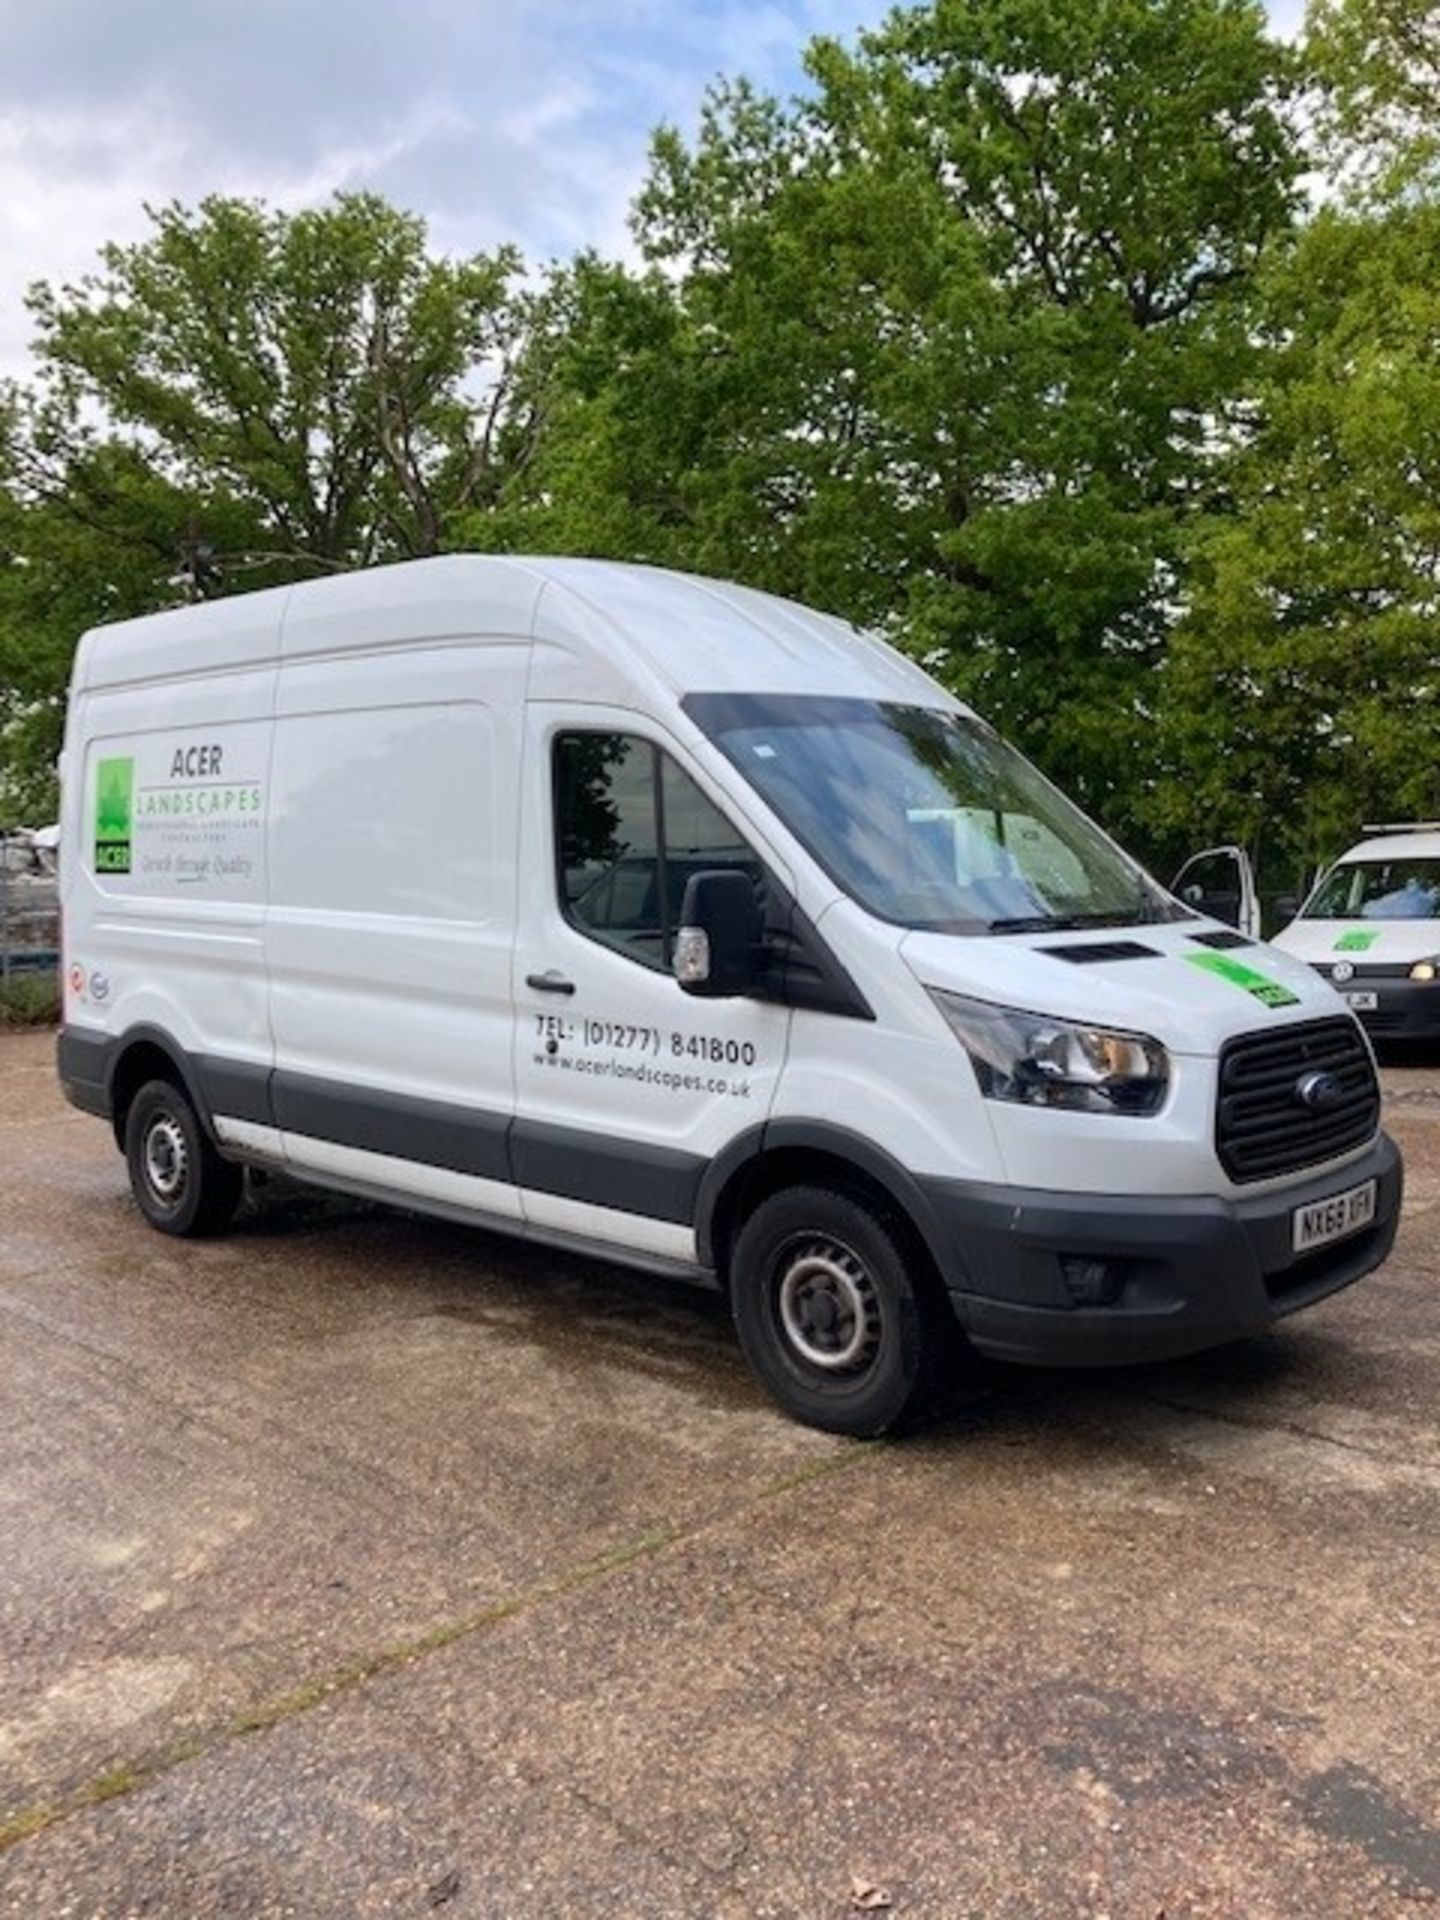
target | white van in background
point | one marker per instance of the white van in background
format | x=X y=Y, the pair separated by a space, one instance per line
x=666 y=920
x=1372 y=928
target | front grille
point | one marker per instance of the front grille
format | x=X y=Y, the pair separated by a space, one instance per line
x=1262 y=1129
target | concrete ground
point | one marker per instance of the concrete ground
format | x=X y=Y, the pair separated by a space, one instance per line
x=354 y=1565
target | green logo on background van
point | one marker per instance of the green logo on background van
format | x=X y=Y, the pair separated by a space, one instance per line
x=114 y=804
x=1358 y=940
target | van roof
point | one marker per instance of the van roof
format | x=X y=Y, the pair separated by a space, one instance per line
x=614 y=622
x=1394 y=846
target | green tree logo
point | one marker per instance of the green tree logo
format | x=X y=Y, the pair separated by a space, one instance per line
x=114 y=794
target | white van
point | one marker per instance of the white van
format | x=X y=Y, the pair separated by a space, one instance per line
x=662 y=919
x=1372 y=928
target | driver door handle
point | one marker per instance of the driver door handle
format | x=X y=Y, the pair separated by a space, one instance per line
x=551 y=982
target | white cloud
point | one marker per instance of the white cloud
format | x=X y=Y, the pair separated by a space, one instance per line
x=66 y=187
x=1286 y=17
x=524 y=120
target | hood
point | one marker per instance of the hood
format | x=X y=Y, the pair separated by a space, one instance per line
x=1165 y=981
x=1362 y=942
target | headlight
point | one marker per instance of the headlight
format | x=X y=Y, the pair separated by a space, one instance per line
x=1425 y=970
x=1039 y=1061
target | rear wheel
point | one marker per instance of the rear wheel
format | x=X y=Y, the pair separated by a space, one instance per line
x=834 y=1319
x=179 y=1181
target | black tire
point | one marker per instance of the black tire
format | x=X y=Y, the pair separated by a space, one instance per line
x=841 y=1327
x=180 y=1183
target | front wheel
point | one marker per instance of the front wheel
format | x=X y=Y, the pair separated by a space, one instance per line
x=830 y=1314
x=179 y=1181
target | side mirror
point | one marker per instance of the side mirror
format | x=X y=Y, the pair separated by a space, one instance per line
x=717 y=946
x=1286 y=908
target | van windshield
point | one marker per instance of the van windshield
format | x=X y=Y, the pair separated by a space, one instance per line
x=1378 y=890
x=927 y=818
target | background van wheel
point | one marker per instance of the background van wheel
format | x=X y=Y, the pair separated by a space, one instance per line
x=839 y=1326
x=180 y=1182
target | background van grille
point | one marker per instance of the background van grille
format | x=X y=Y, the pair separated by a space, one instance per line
x=1261 y=1127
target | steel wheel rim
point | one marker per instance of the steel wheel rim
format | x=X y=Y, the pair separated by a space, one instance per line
x=167 y=1159
x=827 y=1306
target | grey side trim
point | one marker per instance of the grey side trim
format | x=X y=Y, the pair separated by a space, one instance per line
x=237 y=1088
x=574 y=1164
x=659 y=1182
x=512 y=1229
x=436 y=1133
x=631 y=1176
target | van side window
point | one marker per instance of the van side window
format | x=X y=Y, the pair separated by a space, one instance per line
x=631 y=828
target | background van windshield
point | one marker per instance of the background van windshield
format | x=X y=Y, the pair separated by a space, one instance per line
x=926 y=818
x=1379 y=890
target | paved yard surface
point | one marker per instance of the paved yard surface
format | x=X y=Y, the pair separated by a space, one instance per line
x=354 y=1565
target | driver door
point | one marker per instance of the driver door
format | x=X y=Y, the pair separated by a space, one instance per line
x=627 y=1086
x=1220 y=882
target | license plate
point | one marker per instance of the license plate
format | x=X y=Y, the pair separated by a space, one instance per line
x=1326 y=1220
x=1363 y=1002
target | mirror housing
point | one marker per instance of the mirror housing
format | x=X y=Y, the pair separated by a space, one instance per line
x=717 y=945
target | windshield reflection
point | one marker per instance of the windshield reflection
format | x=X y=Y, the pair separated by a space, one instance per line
x=927 y=818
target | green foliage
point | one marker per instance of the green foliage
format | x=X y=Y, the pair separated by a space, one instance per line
x=309 y=367
x=1377 y=63
x=100 y=552
x=1304 y=684
x=247 y=397
x=939 y=347
x=30 y=1000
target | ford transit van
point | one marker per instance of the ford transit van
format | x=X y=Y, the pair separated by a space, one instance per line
x=658 y=918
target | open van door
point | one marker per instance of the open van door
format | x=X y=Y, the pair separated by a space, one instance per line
x=1221 y=882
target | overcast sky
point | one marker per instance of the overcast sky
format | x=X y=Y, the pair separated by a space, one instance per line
x=524 y=120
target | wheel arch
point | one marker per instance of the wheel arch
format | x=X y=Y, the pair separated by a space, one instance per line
x=148 y=1053
x=786 y=1153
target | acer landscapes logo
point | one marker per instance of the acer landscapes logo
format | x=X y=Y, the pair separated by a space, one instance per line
x=114 y=808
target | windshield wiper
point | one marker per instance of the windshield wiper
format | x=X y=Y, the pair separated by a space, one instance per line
x=1070 y=922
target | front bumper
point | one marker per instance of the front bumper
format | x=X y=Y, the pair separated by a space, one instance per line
x=1404 y=1009
x=1190 y=1273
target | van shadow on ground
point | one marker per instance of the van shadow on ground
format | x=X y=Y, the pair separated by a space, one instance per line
x=588 y=1315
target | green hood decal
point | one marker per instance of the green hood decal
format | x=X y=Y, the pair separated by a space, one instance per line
x=1269 y=992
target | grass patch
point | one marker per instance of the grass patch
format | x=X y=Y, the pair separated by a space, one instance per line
x=25 y=1825
x=110 y=1786
x=30 y=1000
